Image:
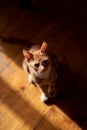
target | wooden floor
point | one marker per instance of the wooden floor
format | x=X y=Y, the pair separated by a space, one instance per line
x=20 y=105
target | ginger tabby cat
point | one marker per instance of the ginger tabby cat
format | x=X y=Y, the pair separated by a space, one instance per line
x=41 y=65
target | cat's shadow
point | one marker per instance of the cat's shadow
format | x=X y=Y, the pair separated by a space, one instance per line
x=71 y=97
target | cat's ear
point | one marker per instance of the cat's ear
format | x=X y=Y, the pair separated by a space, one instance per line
x=27 y=54
x=44 y=47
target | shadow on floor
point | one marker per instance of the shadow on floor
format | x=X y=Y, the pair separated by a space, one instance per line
x=72 y=94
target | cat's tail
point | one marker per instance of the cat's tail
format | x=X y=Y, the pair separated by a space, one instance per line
x=13 y=40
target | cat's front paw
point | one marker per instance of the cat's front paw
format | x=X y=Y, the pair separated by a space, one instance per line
x=43 y=98
x=30 y=78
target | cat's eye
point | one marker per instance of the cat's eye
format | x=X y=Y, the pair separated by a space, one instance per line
x=45 y=63
x=36 y=65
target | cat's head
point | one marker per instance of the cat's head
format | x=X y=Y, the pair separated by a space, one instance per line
x=39 y=62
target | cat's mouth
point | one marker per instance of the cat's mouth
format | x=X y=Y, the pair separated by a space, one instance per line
x=43 y=69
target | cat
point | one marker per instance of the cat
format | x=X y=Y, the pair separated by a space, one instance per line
x=41 y=65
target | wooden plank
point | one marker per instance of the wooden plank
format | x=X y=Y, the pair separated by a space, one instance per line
x=17 y=77
x=7 y=53
x=55 y=119
x=23 y=108
x=7 y=98
x=11 y=88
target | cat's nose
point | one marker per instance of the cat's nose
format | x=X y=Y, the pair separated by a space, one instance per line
x=36 y=65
